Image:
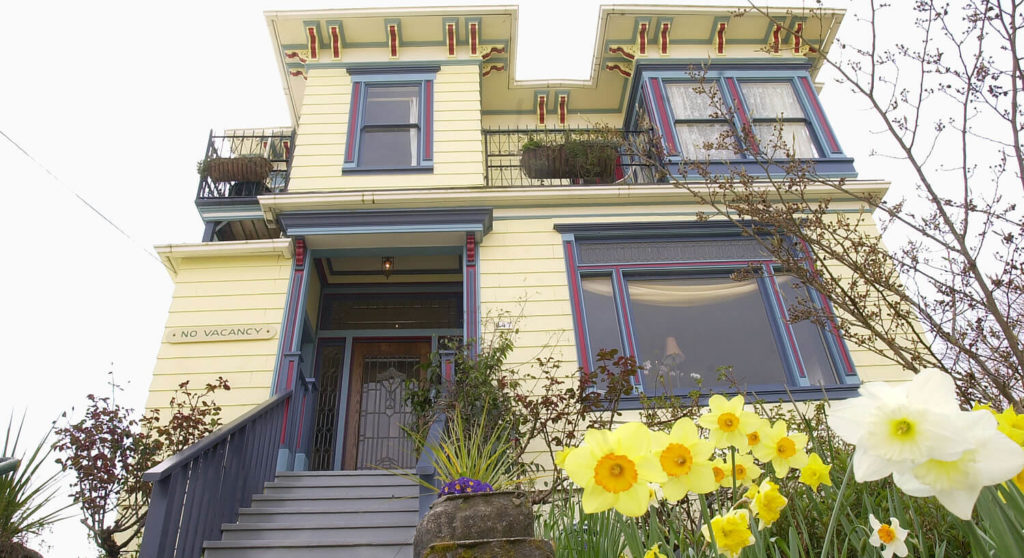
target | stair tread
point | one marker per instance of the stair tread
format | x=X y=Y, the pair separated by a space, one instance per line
x=313 y=525
x=301 y=497
x=368 y=472
x=294 y=543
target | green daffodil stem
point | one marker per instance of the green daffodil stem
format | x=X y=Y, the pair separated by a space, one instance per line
x=835 y=510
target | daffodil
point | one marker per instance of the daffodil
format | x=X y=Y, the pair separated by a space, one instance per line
x=782 y=448
x=718 y=468
x=561 y=455
x=767 y=504
x=685 y=458
x=897 y=426
x=815 y=472
x=755 y=435
x=890 y=538
x=1019 y=480
x=732 y=532
x=614 y=469
x=956 y=483
x=1011 y=424
x=743 y=469
x=727 y=422
x=654 y=552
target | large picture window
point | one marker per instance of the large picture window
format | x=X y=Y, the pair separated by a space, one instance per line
x=672 y=304
x=390 y=125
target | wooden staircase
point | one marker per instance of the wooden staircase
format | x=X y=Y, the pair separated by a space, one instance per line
x=342 y=514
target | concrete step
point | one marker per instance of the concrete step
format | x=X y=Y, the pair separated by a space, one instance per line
x=342 y=478
x=360 y=473
x=300 y=516
x=361 y=491
x=334 y=503
x=306 y=549
x=330 y=530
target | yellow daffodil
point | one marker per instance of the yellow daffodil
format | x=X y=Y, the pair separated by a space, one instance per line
x=897 y=426
x=1011 y=424
x=767 y=504
x=718 y=468
x=956 y=483
x=654 y=552
x=614 y=469
x=732 y=532
x=727 y=422
x=1019 y=480
x=815 y=472
x=755 y=436
x=561 y=455
x=685 y=458
x=890 y=538
x=782 y=448
x=743 y=469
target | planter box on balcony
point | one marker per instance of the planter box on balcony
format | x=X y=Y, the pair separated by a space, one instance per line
x=238 y=169
x=592 y=161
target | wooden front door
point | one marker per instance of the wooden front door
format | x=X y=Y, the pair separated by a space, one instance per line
x=377 y=410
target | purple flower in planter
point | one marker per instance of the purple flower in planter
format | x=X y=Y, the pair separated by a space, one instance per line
x=465 y=485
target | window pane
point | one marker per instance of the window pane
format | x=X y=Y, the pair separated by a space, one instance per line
x=771 y=100
x=794 y=135
x=687 y=103
x=392 y=311
x=693 y=325
x=809 y=339
x=693 y=137
x=391 y=104
x=602 y=321
x=389 y=148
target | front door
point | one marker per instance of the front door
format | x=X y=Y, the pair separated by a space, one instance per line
x=376 y=410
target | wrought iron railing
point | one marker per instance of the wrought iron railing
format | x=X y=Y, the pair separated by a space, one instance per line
x=609 y=156
x=201 y=488
x=246 y=163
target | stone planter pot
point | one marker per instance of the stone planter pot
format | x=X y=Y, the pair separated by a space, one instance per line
x=475 y=517
x=591 y=161
x=545 y=162
x=238 y=169
x=492 y=548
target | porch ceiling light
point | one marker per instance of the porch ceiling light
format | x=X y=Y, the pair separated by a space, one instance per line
x=387 y=265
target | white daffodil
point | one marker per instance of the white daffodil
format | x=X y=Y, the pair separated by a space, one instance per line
x=897 y=426
x=956 y=483
x=890 y=538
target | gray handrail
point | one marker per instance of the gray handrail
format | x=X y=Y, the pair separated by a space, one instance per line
x=8 y=465
x=186 y=455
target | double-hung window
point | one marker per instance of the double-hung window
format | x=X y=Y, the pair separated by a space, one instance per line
x=670 y=301
x=390 y=123
x=774 y=109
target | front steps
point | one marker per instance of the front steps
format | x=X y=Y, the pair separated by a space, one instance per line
x=341 y=514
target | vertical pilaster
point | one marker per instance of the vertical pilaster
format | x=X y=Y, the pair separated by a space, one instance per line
x=471 y=295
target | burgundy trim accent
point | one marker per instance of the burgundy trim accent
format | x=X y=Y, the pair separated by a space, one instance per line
x=428 y=119
x=300 y=252
x=297 y=73
x=295 y=54
x=577 y=306
x=745 y=124
x=786 y=326
x=664 y=38
x=287 y=149
x=621 y=50
x=470 y=247
x=493 y=68
x=563 y=100
x=335 y=44
x=474 y=45
x=619 y=69
x=353 y=120
x=451 y=38
x=630 y=347
x=393 y=39
x=798 y=37
x=776 y=38
x=642 y=32
x=449 y=370
x=313 y=43
x=492 y=52
x=284 y=420
x=812 y=98
x=302 y=420
x=541 y=101
x=667 y=125
x=470 y=289
x=720 y=37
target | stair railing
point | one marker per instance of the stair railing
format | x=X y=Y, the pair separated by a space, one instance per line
x=425 y=464
x=198 y=489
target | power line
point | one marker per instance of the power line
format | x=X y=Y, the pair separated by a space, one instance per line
x=83 y=200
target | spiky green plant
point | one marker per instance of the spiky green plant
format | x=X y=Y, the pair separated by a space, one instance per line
x=28 y=500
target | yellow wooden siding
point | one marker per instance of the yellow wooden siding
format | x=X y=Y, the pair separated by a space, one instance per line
x=523 y=274
x=224 y=290
x=323 y=126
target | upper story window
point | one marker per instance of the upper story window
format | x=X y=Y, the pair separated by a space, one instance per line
x=670 y=302
x=391 y=121
x=775 y=108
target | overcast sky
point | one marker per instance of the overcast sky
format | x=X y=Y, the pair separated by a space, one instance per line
x=116 y=101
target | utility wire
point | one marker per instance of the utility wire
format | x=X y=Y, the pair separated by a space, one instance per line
x=110 y=222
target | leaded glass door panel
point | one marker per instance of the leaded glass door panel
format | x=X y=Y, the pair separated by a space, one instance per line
x=377 y=411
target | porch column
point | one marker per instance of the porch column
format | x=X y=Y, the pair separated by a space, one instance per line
x=471 y=295
x=289 y=365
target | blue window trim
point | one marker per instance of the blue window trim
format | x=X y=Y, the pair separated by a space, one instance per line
x=796 y=386
x=651 y=85
x=423 y=78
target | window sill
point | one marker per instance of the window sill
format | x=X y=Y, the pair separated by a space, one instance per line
x=422 y=169
x=834 y=167
x=768 y=394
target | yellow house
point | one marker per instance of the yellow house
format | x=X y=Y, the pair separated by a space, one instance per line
x=401 y=209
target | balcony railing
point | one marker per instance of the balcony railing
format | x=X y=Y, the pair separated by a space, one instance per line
x=246 y=163
x=564 y=157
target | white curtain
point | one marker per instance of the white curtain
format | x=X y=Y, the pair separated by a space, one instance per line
x=679 y=293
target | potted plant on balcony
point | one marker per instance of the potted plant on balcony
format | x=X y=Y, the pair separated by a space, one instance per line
x=587 y=156
x=246 y=168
